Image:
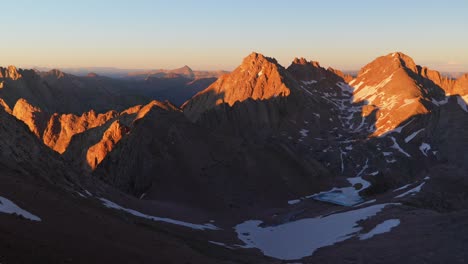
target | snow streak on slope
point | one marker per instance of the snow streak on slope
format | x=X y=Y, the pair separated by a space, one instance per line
x=8 y=207
x=113 y=205
x=410 y=137
x=412 y=191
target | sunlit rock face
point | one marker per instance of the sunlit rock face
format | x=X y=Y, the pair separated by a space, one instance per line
x=101 y=131
x=61 y=128
x=109 y=139
x=11 y=72
x=257 y=78
x=32 y=116
x=392 y=85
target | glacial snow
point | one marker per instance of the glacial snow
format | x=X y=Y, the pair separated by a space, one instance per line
x=9 y=207
x=110 y=204
x=301 y=238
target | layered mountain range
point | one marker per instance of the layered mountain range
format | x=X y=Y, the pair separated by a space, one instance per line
x=290 y=147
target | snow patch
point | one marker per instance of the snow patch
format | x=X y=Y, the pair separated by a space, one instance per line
x=381 y=228
x=397 y=147
x=220 y=244
x=291 y=202
x=439 y=103
x=408 y=102
x=412 y=191
x=366 y=202
x=425 y=148
x=309 y=82
x=402 y=187
x=344 y=87
x=9 y=207
x=110 y=204
x=410 y=137
x=396 y=130
x=461 y=100
x=301 y=238
x=304 y=132
x=369 y=91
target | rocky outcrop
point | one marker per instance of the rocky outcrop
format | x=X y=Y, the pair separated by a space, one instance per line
x=11 y=72
x=5 y=107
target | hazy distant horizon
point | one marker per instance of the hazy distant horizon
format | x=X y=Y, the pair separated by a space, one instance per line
x=214 y=35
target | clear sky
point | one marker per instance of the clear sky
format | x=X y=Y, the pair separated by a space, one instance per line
x=209 y=34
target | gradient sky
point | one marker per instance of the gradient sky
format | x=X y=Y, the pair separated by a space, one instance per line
x=218 y=34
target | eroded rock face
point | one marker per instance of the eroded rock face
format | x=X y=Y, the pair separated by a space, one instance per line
x=257 y=78
x=90 y=147
x=32 y=116
x=58 y=130
x=107 y=143
x=61 y=128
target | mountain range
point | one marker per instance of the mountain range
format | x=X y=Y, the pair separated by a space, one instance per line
x=264 y=164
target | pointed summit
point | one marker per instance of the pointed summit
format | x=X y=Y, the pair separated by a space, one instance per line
x=392 y=84
x=185 y=71
x=389 y=63
x=257 y=78
x=54 y=73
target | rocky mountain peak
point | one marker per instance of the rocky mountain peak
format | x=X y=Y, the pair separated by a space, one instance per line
x=92 y=75
x=11 y=72
x=305 y=70
x=461 y=85
x=303 y=61
x=185 y=71
x=255 y=59
x=55 y=73
x=257 y=78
